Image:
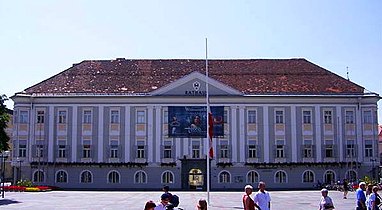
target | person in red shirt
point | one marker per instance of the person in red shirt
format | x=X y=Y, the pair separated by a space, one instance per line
x=248 y=203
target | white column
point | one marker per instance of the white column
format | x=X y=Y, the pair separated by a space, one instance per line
x=266 y=134
x=359 y=127
x=294 y=133
x=234 y=132
x=32 y=131
x=241 y=141
x=74 y=133
x=339 y=132
x=128 y=147
x=50 y=134
x=150 y=141
x=319 y=140
x=186 y=147
x=100 y=133
x=158 y=134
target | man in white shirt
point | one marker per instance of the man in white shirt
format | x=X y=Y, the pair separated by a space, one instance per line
x=262 y=197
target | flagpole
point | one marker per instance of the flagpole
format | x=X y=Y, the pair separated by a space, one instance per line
x=208 y=146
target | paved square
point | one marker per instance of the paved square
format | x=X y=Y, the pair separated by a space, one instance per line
x=60 y=200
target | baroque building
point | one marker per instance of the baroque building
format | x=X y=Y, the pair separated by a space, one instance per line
x=108 y=124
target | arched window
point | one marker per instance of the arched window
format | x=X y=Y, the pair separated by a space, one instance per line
x=280 y=177
x=253 y=177
x=167 y=177
x=113 y=177
x=38 y=176
x=61 y=177
x=351 y=175
x=308 y=177
x=86 y=177
x=224 y=177
x=140 y=177
x=329 y=177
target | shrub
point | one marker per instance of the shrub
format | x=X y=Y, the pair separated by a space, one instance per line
x=24 y=183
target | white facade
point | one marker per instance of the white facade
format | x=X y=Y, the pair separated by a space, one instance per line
x=121 y=141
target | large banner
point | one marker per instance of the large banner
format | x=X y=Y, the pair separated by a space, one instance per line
x=191 y=121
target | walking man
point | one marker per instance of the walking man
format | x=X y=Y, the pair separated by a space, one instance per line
x=361 y=198
x=262 y=197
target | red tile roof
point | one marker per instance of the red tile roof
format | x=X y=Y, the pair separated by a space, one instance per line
x=250 y=76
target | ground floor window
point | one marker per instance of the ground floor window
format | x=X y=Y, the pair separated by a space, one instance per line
x=61 y=177
x=86 y=177
x=113 y=177
x=308 y=177
x=224 y=177
x=280 y=177
x=167 y=177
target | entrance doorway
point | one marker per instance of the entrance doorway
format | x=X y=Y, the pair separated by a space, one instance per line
x=195 y=178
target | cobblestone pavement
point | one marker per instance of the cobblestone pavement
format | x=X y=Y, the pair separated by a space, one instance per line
x=94 y=200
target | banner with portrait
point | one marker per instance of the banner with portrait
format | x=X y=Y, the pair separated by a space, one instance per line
x=191 y=121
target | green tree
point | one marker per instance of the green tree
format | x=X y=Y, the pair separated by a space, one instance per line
x=4 y=119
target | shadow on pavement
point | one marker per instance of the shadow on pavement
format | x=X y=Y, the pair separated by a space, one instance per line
x=227 y=207
x=7 y=202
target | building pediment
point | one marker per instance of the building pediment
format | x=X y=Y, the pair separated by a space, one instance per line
x=194 y=84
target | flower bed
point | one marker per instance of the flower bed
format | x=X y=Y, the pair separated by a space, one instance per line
x=13 y=188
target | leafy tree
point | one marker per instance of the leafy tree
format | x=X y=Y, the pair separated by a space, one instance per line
x=4 y=119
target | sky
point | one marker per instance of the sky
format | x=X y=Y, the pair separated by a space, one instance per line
x=41 y=38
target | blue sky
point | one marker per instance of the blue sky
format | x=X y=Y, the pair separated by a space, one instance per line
x=39 y=39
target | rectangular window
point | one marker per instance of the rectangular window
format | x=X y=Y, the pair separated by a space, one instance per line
x=87 y=119
x=86 y=151
x=350 y=150
x=141 y=152
x=62 y=151
x=308 y=151
x=167 y=152
x=62 y=117
x=328 y=117
x=349 y=117
x=307 y=117
x=252 y=116
x=279 y=119
x=195 y=151
x=114 y=116
x=114 y=151
x=223 y=151
x=40 y=116
x=368 y=150
x=23 y=117
x=280 y=151
x=367 y=117
x=329 y=151
x=141 y=117
x=22 y=150
x=252 y=151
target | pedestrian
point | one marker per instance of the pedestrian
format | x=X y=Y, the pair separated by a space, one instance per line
x=262 y=197
x=165 y=201
x=360 y=196
x=150 y=205
x=248 y=203
x=346 y=188
x=202 y=205
x=174 y=199
x=373 y=201
x=326 y=202
x=369 y=190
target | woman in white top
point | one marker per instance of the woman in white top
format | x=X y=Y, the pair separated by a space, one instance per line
x=372 y=200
